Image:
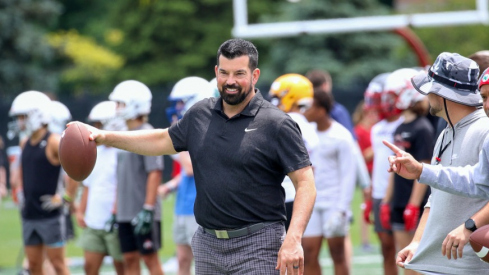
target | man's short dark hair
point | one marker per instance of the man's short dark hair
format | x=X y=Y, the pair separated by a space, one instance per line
x=319 y=77
x=233 y=48
x=323 y=99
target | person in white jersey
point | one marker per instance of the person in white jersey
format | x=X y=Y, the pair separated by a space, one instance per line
x=384 y=130
x=96 y=211
x=293 y=94
x=333 y=161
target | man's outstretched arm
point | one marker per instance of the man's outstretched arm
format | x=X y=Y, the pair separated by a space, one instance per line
x=468 y=181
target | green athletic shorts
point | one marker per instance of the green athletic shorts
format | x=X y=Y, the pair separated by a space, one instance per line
x=99 y=241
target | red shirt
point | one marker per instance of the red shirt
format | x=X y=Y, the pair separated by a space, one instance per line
x=363 y=136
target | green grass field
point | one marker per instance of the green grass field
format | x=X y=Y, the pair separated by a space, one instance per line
x=11 y=243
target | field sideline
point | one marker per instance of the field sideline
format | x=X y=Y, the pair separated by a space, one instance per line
x=11 y=243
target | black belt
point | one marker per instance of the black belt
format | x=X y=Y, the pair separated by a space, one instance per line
x=235 y=233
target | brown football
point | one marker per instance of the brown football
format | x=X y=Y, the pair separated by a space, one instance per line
x=77 y=153
x=479 y=240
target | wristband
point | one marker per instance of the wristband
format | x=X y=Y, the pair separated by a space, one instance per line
x=67 y=198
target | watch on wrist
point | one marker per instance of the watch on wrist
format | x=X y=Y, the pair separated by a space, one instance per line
x=470 y=225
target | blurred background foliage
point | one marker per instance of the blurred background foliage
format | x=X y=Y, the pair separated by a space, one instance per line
x=77 y=47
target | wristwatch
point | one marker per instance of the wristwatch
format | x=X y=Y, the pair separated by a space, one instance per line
x=470 y=225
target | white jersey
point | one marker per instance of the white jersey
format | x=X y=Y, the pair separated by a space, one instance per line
x=310 y=138
x=382 y=130
x=333 y=160
x=101 y=184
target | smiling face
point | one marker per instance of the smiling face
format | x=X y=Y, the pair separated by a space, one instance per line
x=235 y=80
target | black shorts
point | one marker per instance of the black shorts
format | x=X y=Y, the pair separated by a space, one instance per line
x=145 y=244
x=397 y=218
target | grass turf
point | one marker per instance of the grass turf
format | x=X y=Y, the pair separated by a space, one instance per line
x=11 y=241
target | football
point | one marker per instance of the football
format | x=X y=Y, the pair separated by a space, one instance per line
x=479 y=240
x=77 y=153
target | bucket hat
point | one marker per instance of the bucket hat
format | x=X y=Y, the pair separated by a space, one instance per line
x=453 y=77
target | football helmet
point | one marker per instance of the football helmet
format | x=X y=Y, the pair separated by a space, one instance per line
x=213 y=83
x=31 y=110
x=399 y=93
x=186 y=92
x=291 y=89
x=105 y=113
x=60 y=115
x=373 y=93
x=135 y=96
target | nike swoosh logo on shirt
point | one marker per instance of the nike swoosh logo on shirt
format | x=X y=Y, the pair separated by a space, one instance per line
x=249 y=130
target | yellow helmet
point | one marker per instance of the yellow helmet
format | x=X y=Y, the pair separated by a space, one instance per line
x=290 y=89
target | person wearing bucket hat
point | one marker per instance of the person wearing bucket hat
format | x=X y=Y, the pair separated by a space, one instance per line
x=470 y=181
x=451 y=87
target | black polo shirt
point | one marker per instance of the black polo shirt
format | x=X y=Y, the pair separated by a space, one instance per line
x=239 y=163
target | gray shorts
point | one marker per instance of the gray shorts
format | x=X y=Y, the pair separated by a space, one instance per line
x=377 y=226
x=50 y=232
x=252 y=254
x=184 y=227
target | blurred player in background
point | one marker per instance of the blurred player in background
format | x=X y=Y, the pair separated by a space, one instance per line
x=383 y=130
x=183 y=96
x=335 y=175
x=363 y=119
x=293 y=93
x=400 y=208
x=96 y=211
x=3 y=171
x=43 y=228
x=138 y=178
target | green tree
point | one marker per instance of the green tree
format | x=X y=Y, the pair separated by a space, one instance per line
x=351 y=58
x=165 y=40
x=26 y=59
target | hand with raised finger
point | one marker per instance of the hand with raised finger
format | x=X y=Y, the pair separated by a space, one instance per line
x=406 y=254
x=403 y=163
x=453 y=245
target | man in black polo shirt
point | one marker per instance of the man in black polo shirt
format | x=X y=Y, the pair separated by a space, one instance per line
x=241 y=148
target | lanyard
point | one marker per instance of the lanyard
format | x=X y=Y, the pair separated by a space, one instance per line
x=442 y=149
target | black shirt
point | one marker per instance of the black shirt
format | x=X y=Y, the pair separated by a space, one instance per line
x=239 y=163
x=40 y=178
x=416 y=138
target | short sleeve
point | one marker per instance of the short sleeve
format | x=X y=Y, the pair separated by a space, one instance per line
x=178 y=132
x=291 y=151
x=152 y=163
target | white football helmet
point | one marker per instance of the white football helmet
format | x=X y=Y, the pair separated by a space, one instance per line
x=136 y=98
x=186 y=92
x=105 y=113
x=399 y=92
x=60 y=115
x=213 y=83
x=35 y=107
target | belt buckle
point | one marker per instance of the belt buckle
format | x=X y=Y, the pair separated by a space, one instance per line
x=222 y=234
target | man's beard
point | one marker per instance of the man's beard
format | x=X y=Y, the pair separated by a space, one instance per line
x=434 y=111
x=234 y=99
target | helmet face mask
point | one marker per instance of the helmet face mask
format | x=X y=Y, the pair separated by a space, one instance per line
x=291 y=90
x=133 y=98
x=399 y=94
x=185 y=93
x=105 y=113
x=31 y=110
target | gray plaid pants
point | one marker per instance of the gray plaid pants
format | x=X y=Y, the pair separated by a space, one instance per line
x=255 y=253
